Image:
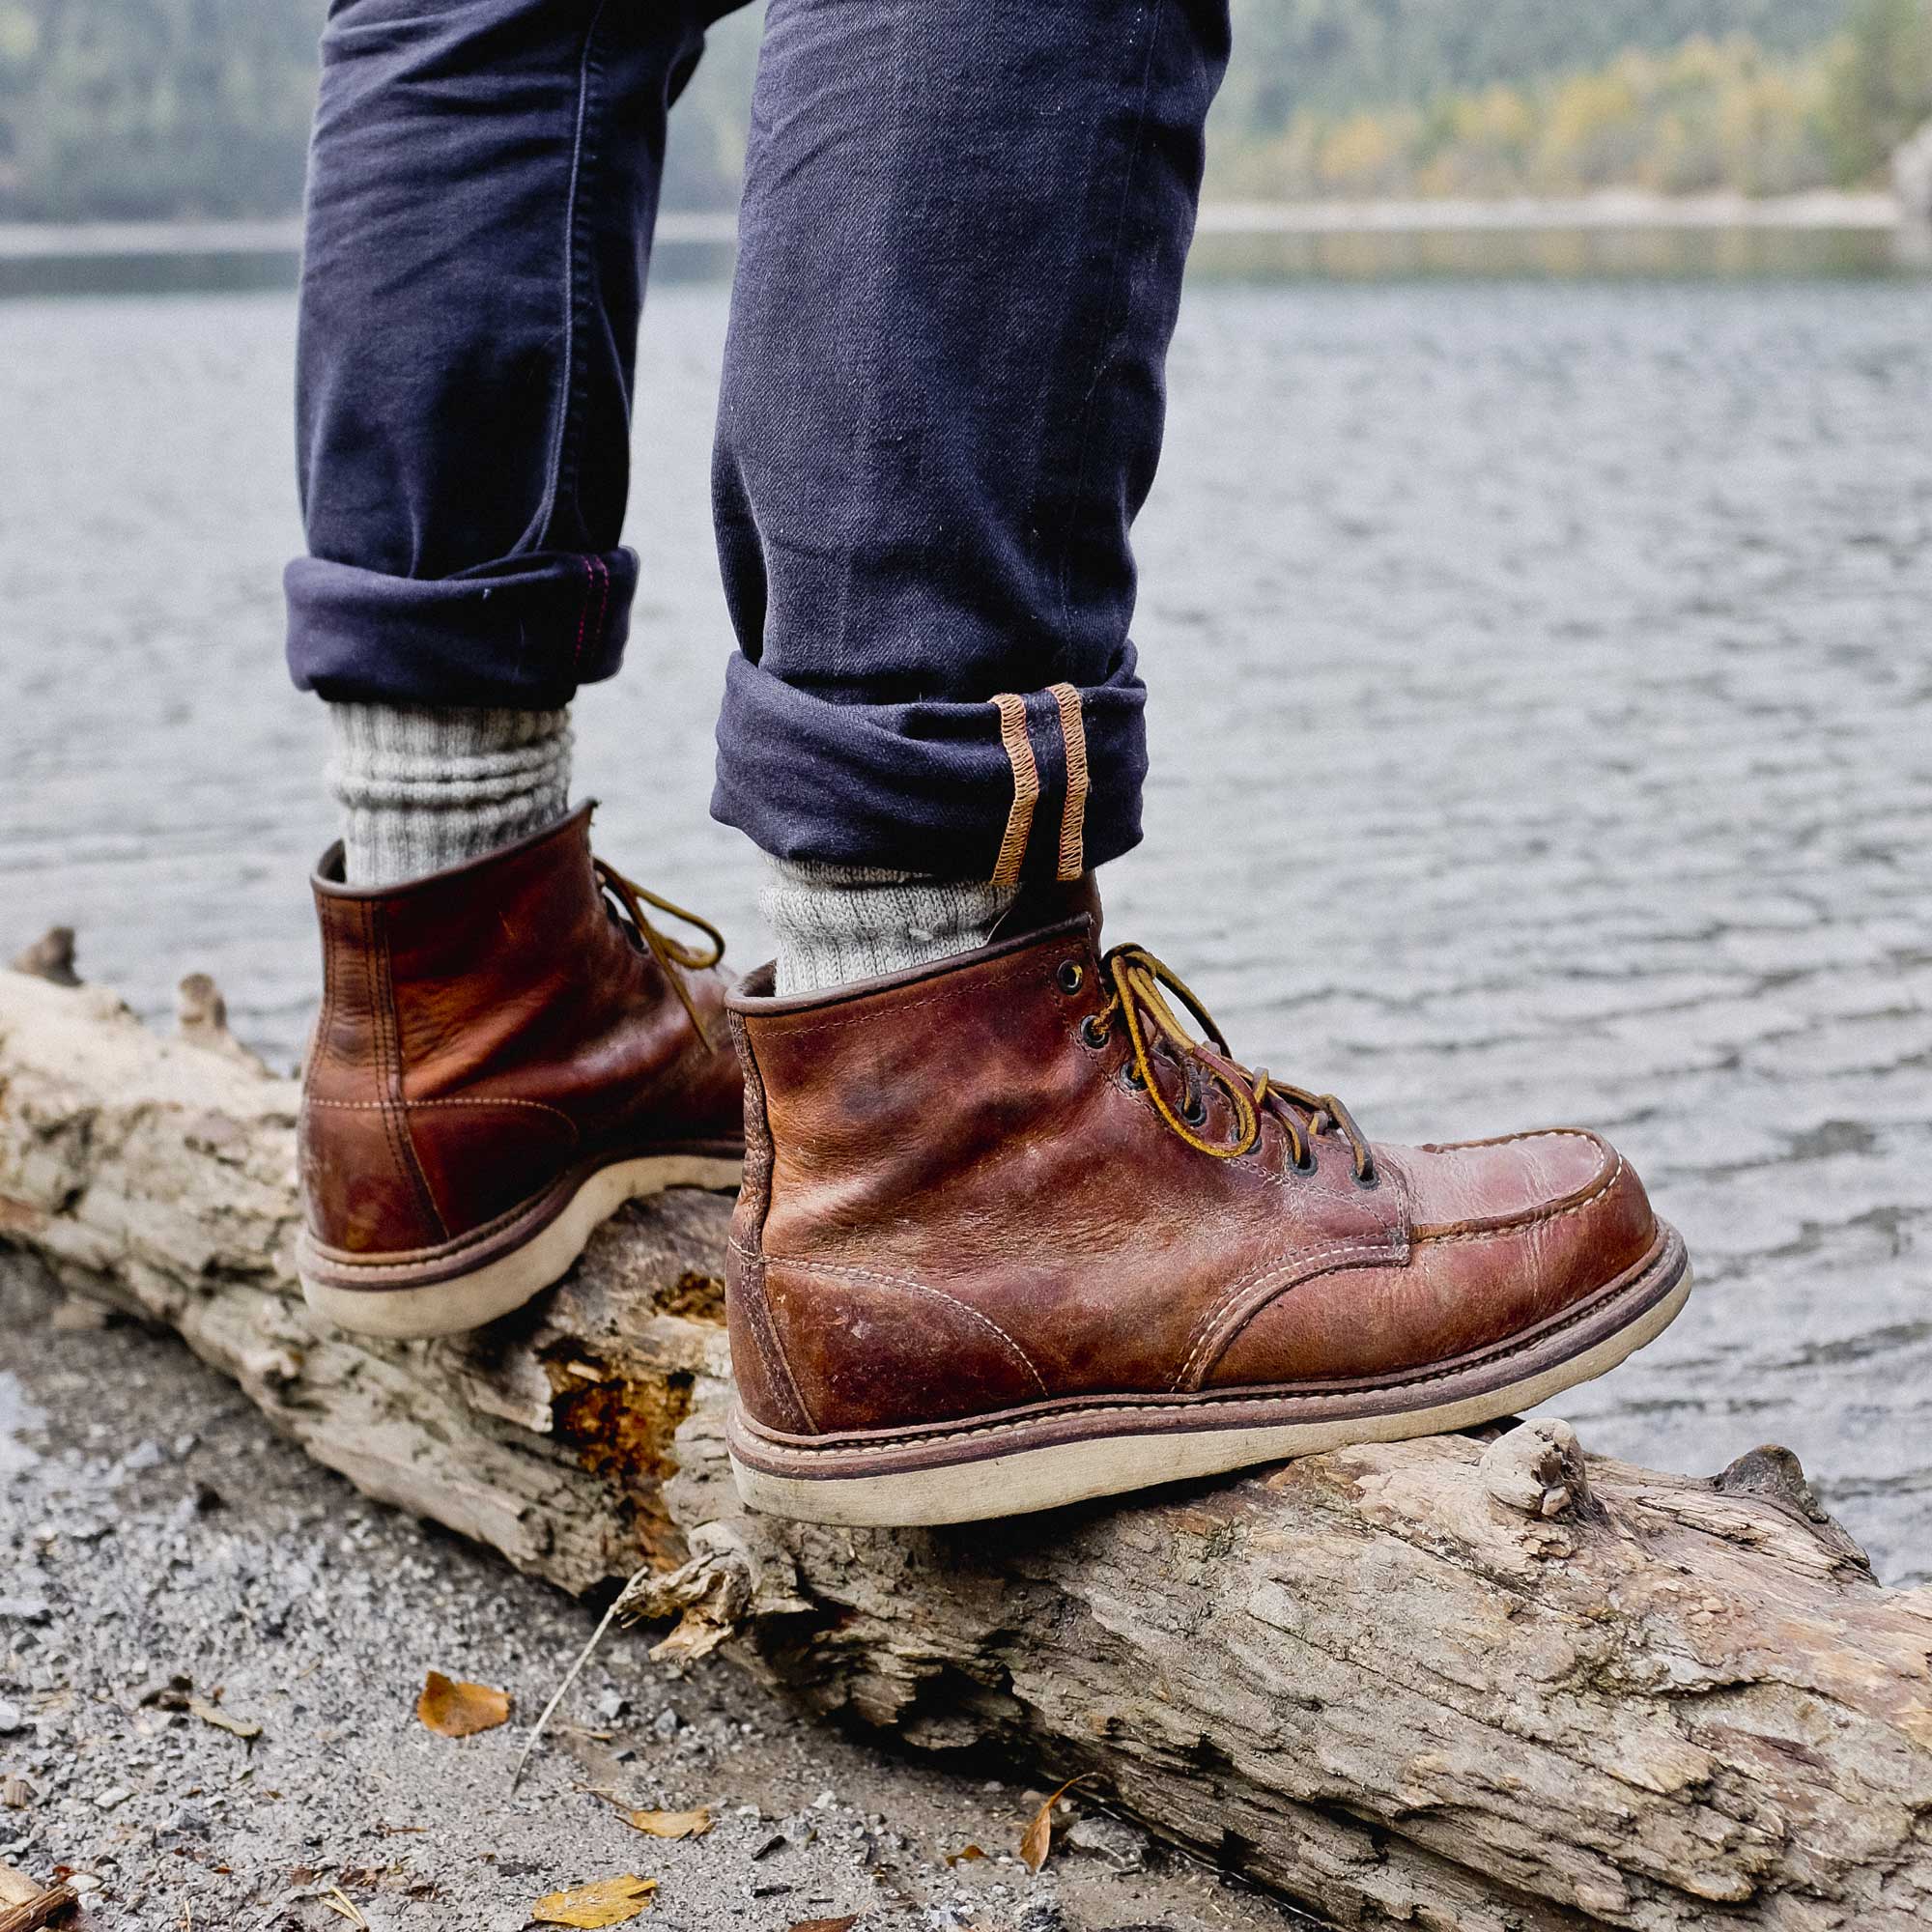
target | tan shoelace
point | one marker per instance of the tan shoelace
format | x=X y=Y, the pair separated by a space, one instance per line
x=669 y=953
x=1138 y=979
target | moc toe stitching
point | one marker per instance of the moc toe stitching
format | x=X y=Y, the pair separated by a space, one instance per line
x=862 y=1443
x=1540 y=1203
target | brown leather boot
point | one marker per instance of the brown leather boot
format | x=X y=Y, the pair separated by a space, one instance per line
x=506 y=1052
x=1010 y=1238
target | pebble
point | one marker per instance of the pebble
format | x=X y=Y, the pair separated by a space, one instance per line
x=1122 y=1845
x=115 y=1795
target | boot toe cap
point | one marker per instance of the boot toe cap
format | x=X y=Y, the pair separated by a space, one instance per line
x=1505 y=1236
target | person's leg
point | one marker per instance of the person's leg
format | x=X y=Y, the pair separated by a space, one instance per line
x=1011 y=1237
x=961 y=249
x=482 y=186
x=508 y=1047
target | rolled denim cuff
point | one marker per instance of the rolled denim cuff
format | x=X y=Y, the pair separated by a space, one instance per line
x=523 y=633
x=1021 y=786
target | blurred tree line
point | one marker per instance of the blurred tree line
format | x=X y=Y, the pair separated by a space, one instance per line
x=1740 y=111
x=135 y=109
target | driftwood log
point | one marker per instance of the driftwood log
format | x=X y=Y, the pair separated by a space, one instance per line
x=1447 y=1683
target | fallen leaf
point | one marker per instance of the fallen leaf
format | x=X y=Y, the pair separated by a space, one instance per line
x=965 y=1855
x=344 y=1907
x=609 y=1901
x=457 y=1710
x=672 y=1824
x=827 y=1925
x=240 y=1727
x=1038 y=1838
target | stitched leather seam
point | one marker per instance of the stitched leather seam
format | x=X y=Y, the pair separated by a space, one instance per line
x=379 y=1039
x=763 y=1321
x=764 y=1328
x=1024 y=965
x=1213 y=1402
x=919 y=1287
x=535 y=1106
x=1285 y=1264
x=325 y=1026
x=1398 y=1244
x=1510 y=1139
x=389 y=1061
x=1456 y=1233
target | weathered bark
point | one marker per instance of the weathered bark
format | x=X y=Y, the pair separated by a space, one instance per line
x=25 y=1906
x=1435 y=1682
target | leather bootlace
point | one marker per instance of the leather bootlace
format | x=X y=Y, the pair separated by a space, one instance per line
x=1137 y=999
x=670 y=954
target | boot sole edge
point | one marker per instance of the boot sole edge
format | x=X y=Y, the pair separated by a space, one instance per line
x=1003 y=1481
x=393 y=1308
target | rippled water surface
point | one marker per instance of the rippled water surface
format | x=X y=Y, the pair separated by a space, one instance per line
x=1542 y=720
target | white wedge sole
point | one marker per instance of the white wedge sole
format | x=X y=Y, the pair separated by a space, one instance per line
x=1019 y=1481
x=391 y=1306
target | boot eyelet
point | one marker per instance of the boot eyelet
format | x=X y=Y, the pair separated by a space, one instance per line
x=1307 y=1164
x=1136 y=1079
x=1092 y=1033
x=1069 y=977
x=1370 y=1180
x=1195 y=1112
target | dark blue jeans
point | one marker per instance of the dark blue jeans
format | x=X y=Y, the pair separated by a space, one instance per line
x=962 y=245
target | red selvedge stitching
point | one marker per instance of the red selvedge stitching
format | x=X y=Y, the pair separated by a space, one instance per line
x=582 y=615
x=603 y=600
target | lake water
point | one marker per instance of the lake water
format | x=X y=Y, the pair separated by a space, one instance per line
x=1542 y=717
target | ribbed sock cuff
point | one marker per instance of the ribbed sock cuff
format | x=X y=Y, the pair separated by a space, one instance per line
x=841 y=923
x=423 y=787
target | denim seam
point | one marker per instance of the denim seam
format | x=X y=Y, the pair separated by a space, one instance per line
x=1151 y=14
x=576 y=294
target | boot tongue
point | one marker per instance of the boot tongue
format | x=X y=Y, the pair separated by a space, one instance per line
x=1045 y=902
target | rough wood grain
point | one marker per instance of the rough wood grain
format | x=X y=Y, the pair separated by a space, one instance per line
x=27 y=1905
x=1444 y=1683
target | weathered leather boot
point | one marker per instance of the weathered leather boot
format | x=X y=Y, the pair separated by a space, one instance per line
x=1010 y=1238
x=506 y=1052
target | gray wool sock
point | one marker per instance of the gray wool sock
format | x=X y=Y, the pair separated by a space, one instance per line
x=421 y=787
x=841 y=923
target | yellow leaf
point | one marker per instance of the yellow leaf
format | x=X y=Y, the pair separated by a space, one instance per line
x=827 y=1925
x=457 y=1710
x=241 y=1727
x=964 y=1855
x=1038 y=1839
x=672 y=1824
x=609 y=1901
